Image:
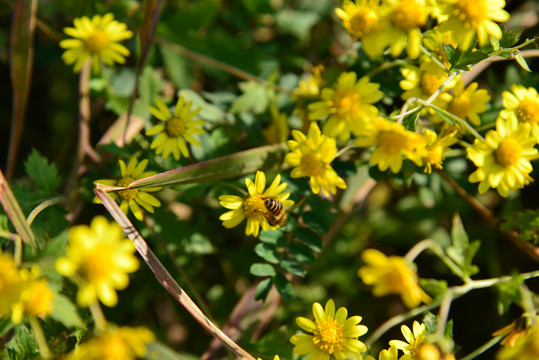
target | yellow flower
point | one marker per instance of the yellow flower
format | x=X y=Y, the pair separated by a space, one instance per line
x=390 y=354
x=275 y=358
x=132 y=198
x=514 y=332
x=392 y=275
x=98 y=39
x=310 y=86
x=361 y=19
x=348 y=105
x=434 y=41
x=10 y=284
x=525 y=348
x=503 y=158
x=253 y=207
x=393 y=142
x=436 y=148
x=523 y=104
x=175 y=130
x=468 y=103
x=123 y=343
x=414 y=340
x=405 y=17
x=465 y=19
x=98 y=259
x=312 y=156
x=422 y=82
x=332 y=333
x=36 y=297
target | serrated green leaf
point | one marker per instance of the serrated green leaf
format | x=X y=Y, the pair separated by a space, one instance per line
x=283 y=286
x=262 y=270
x=431 y=322
x=302 y=253
x=410 y=121
x=293 y=267
x=65 y=312
x=263 y=288
x=42 y=173
x=267 y=253
x=255 y=98
x=522 y=62
x=310 y=238
x=451 y=53
x=22 y=345
x=469 y=58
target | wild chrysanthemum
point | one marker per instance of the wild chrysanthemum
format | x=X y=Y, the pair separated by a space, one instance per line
x=468 y=103
x=333 y=334
x=434 y=41
x=421 y=82
x=390 y=354
x=465 y=19
x=503 y=158
x=525 y=348
x=348 y=105
x=392 y=144
x=253 y=207
x=523 y=104
x=175 y=130
x=311 y=156
x=310 y=86
x=405 y=17
x=436 y=148
x=98 y=259
x=132 y=198
x=36 y=297
x=392 y=275
x=10 y=284
x=96 y=39
x=414 y=340
x=123 y=343
x=361 y=19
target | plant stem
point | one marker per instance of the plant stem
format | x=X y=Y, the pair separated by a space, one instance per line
x=483 y=348
x=45 y=353
x=99 y=317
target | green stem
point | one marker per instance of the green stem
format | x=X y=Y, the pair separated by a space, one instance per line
x=99 y=317
x=40 y=337
x=483 y=348
x=434 y=59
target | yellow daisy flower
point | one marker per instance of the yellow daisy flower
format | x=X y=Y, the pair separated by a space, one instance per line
x=10 y=284
x=414 y=340
x=132 y=198
x=393 y=143
x=310 y=86
x=98 y=259
x=423 y=81
x=523 y=104
x=123 y=343
x=36 y=297
x=348 y=105
x=434 y=41
x=361 y=19
x=405 y=17
x=436 y=148
x=468 y=103
x=255 y=206
x=311 y=156
x=465 y=19
x=392 y=275
x=503 y=158
x=333 y=334
x=525 y=348
x=175 y=130
x=96 y=39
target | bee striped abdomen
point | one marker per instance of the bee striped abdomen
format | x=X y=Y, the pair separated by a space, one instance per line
x=273 y=206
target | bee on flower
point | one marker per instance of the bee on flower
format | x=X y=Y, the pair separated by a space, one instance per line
x=263 y=208
x=96 y=39
x=133 y=198
x=175 y=130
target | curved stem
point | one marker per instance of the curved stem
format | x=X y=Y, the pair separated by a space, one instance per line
x=45 y=204
x=45 y=353
x=483 y=348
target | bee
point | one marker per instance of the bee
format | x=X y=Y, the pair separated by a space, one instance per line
x=276 y=215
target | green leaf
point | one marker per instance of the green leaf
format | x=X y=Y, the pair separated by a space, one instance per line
x=267 y=253
x=150 y=85
x=302 y=253
x=510 y=38
x=22 y=345
x=521 y=61
x=263 y=288
x=255 y=98
x=509 y=293
x=283 y=286
x=207 y=111
x=461 y=251
x=435 y=288
x=65 y=312
x=157 y=350
x=310 y=238
x=262 y=270
x=293 y=267
x=44 y=174
x=275 y=238
x=296 y=22
x=410 y=121
x=525 y=224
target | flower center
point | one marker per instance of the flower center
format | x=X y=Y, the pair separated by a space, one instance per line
x=509 y=153
x=460 y=106
x=254 y=205
x=430 y=83
x=528 y=111
x=98 y=265
x=115 y=348
x=175 y=127
x=409 y=15
x=363 y=21
x=329 y=336
x=434 y=156
x=96 y=42
x=127 y=194
x=472 y=12
x=392 y=143
x=311 y=164
x=347 y=104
